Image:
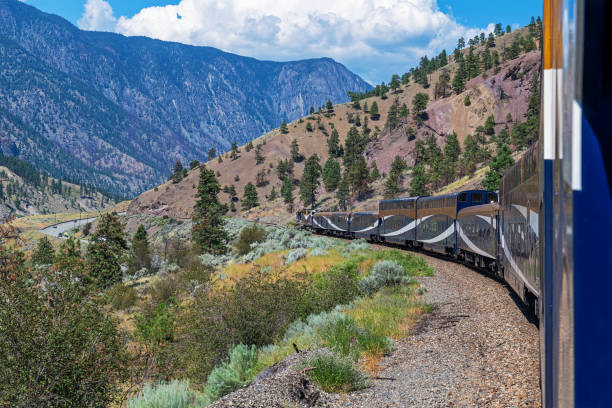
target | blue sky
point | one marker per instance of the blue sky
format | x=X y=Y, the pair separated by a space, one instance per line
x=373 y=41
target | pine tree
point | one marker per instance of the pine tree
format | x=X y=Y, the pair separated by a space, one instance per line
x=461 y=43
x=490 y=125
x=404 y=112
x=177 y=174
x=359 y=178
x=44 y=254
x=212 y=153
x=419 y=104
x=235 y=151
x=105 y=250
x=260 y=178
x=393 y=115
x=208 y=231
x=418 y=184
x=452 y=149
x=194 y=164
x=283 y=128
x=343 y=195
x=333 y=145
x=296 y=156
x=329 y=106
x=273 y=194
x=309 y=127
x=398 y=166
x=395 y=83
x=311 y=111
x=459 y=81
x=331 y=174
x=249 y=146
x=374 y=115
x=374 y=173
x=287 y=193
x=497 y=165
x=310 y=180
x=250 y=199
x=392 y=185
x=466 y=100
x=139 y=253
x=259 y=157
x=443 y=85
x=406 y=78
x=354 y=147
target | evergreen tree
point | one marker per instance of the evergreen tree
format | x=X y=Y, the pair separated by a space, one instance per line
x=490 y=125
x=105 y=250
x=310 y=180
x=312 y=111
x=406 y=78
x=395 y=83
x=466 y=100
x=398 y=166
x=498 y=30
x=452 y=150
x=443 y=85
x=260 y=178
x=459 y=81
x=329 y=106
x=259 y=157
x=392 y=185
x=309 y=127
x=287 y=192
x=331 y=174
x=393 y=115
x=194 y=164
x=207 y=230
x=461 y=43
x=418 y=184
x=177 y=174
x=250 y=199
x=419 y=151
x=249 y=146
x=359 y=178
x=235 y=151
x=374 y=115
x=283 y=128
x=354 y=147
x=212 y=153
x=273 y=194
x=44 y=254
x=343 y=195
x=139 y=253
x=497 y=165
x=296 y=156
x=374 y=173
x=508 y=29
x=69 y=259
x=404 y=112
x=333 y=145
x=419 y=104
x=358 y=120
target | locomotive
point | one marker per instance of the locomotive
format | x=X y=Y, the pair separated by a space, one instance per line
x=548 y=232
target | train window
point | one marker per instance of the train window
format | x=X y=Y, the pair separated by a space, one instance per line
x=462 y=198
x=477 y=197
x=491 y=197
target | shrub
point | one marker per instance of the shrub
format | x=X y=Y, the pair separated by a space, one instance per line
x=156 y=326
x=122 y=296
x=164 y=290
x=345 y=336
x=335 y=373
x=175 y=394
x=295 y=255
x=232 y=374
x=384 y=273
x=248 y=236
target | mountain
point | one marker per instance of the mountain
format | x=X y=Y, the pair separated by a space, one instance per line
x=116 y=112
x=502 y=92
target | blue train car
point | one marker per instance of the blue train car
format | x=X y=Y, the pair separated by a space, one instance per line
x=398 y=220
x=365 y=225
x=435 y=226
x=335 y=223
x=477 y=235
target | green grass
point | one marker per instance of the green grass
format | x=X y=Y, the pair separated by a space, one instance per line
x=335 y=373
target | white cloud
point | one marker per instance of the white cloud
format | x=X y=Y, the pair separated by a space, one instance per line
x=374 y=38
x=98 y=16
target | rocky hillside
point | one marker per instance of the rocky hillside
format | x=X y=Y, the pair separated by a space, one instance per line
x=501 y=91
x=117 y=112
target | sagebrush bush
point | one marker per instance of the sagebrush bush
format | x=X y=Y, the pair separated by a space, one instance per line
x=175 y=394
x=384 y=273
x=345 y=336
x=295 y=255
x=164 y=289
x=232 y=374
x=333 y=372
x=248 y=236
x=122 y=296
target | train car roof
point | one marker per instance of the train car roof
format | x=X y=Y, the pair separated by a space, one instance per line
x=365 y=213
x=455 y=194
x=394 y=200
x=328 y=213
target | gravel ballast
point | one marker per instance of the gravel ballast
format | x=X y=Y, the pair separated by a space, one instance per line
x=476 y=349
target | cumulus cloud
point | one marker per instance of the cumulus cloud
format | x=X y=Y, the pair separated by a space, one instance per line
x=373 y=38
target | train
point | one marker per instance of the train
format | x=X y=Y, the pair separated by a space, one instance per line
x=548 y=229
x=495 y=232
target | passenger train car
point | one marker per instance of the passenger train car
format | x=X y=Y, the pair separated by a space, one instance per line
x=549 y=232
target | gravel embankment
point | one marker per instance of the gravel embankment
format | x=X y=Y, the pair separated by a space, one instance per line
x=477 y=349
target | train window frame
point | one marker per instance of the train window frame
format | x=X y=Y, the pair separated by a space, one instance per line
x=462 y=198
x=477 y=197
x=491 y=197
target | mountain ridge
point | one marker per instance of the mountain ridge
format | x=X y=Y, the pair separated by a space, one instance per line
x=149 y=102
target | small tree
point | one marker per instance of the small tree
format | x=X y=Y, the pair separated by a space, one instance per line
x=250 y=199
x=374 y=115
x=260 y=178
x=296 y=156
x=398 y=166
x=404 y=112
x=249 y=146
x=452 y=150
x=310 y=180
x=287 y=193
x=466 y=100
x=331 y=174
x=273 y=194
x=359 y=178
x=309 y=127
x=329 y=106
x=105 y=250
x=212 y=153
x=139 y=253
x=207 y=230
x=333 y=145
x=392 y=185
x=177 y=174
x=497 y=165
x=235 y=151
x=44 y=254
x=194 y=164
x=395 y=83
x=343 y=195
x=418 y=184
x=374 y=173
x=419 y=104
x=490 y=125
x=259 y=157
x=283 y=128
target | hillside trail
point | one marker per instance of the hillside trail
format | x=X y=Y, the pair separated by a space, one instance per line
x=477 y=348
